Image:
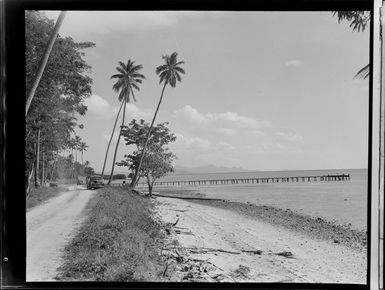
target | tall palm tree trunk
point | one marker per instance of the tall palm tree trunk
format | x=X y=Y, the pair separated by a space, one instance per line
x=82 y=158
x=117 y=143
x=44 y=60
x=112 y=135
x=134 y=179
x=42 y=168
x=37 y=159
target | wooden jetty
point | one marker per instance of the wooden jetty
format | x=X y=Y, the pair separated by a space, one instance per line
x=259 y=180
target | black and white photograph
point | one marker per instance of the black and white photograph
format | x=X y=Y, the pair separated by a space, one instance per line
x=197 y=146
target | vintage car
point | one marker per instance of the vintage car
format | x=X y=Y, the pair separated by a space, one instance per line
x=94 y=181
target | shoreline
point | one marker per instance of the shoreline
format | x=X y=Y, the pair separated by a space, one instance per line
x=224 y=241
x=314 y=227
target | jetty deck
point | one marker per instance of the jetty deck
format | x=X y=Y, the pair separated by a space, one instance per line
x=256 y=180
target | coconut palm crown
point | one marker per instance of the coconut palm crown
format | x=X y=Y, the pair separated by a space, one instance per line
x=170 y=71
x=128 y=78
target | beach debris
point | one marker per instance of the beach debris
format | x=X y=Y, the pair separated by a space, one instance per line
x=206 y=250
x=179 y=232
x=285 y=254
x=241 y=272
x=174 y=224
x=255 y=252
x=165 y=270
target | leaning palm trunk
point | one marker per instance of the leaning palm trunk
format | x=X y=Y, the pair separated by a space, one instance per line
x=44 y=60
x=134 y=179
x=112 y=135
x=37 y=160
x=117 y=143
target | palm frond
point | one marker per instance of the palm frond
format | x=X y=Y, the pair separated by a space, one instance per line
x=136 y=75
x=122 y=65
x=117 y=76
x=364 y=72
x=161 y=68
x=179 y=69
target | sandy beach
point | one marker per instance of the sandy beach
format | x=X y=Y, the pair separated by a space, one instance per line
x=221 y=241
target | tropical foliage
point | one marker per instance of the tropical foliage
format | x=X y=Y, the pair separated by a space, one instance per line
x=128 y=79
x=359 y=20
x=51 y=123
x=158 y=159
x=169 y=74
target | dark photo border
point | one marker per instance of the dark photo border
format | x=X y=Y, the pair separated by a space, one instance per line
x=13 y=213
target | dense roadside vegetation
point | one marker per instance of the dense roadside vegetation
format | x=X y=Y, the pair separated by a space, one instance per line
x=52 y=141
x=119 y=241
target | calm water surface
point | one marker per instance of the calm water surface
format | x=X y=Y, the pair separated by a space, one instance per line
x=344 y=202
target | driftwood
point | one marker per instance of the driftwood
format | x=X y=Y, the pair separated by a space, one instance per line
x=256 y=252
x=183 y=197
x=165 y=270
x=174 y=224
x=285 y=254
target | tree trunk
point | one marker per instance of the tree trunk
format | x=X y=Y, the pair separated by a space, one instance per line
x=117 y=143
x=42 y=169
x=44 y=61
x=37 y=159
x=134 y=181
x=112 y=135
x=29 y=177
x=82 y=158
x=150 y=185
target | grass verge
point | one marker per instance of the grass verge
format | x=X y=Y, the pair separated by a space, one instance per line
x=119 y=241
x=39 y=195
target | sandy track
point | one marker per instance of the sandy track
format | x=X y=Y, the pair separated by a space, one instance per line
x=50 y=227
x=313 y=261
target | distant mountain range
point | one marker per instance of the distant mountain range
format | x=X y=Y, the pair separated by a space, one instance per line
x=208 y=169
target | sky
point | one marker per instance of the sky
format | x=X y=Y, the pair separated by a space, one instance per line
x=262 y=90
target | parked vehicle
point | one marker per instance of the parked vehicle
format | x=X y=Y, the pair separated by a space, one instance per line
x=94 y=181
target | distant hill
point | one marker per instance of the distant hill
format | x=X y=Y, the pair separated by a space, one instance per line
x=208 y=169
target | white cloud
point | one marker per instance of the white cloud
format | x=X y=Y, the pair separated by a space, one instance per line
x=98 y=106
x=133 y=112
x=191 y=142
x=227 y=123
x=102 y=109
x=294 y=63
x=289 y=136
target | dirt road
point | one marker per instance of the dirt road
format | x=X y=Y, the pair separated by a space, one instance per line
x=50 y=227
x=243 y=249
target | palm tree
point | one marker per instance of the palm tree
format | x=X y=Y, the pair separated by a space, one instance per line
x=44 y=60
x=128 y=78
x=169 y=73
x=112 y=135
x=83 y=147
x=78 y=142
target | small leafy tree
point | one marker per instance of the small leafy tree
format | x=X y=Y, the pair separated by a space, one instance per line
x=156 y=163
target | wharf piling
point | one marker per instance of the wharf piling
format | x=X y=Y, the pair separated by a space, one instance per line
x=255 y=180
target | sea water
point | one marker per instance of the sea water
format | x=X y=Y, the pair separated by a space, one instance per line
x=344 y=202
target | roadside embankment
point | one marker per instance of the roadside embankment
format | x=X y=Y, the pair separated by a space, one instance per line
x=119 y=241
